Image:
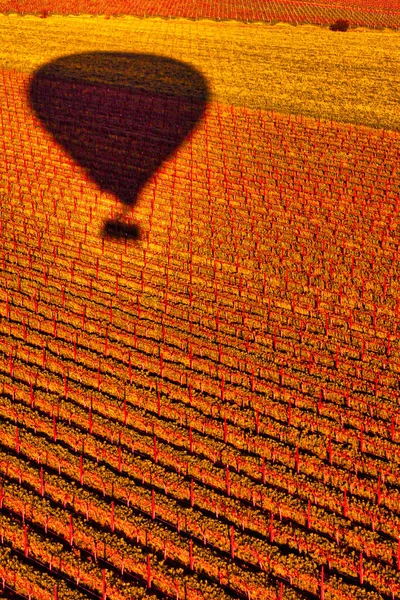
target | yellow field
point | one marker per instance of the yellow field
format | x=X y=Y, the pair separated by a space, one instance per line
x=306 y=70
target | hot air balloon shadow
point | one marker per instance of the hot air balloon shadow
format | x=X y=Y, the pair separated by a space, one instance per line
x=120 y=116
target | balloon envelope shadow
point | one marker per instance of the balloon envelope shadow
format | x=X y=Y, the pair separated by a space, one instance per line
x=119 y=115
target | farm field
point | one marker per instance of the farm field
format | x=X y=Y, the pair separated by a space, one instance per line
x=370 y=13
x=199 y=357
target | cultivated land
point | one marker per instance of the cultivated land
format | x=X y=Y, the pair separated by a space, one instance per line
x=371 y=13
x=199 y=381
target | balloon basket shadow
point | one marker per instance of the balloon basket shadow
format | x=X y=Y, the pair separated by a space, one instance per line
x=118 y=230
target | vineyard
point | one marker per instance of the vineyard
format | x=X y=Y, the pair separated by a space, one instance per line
x=199 y=304
x=369 y=13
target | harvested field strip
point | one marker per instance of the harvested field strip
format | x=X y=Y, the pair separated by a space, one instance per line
x=307 y=71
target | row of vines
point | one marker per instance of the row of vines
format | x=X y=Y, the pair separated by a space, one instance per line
x=375 y=13
x=212 y=410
